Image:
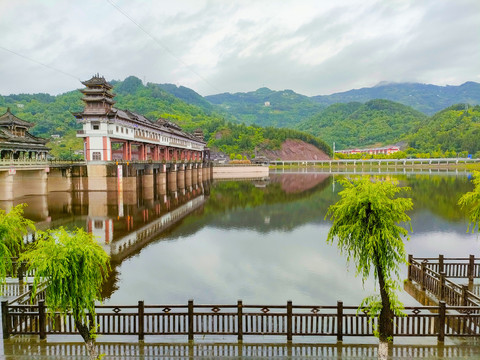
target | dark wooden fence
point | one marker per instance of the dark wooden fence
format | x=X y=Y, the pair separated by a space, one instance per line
x=424 y=272
x=242 y=320
x=457 y=268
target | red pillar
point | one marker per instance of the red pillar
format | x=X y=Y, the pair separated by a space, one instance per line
x=86 y=142
x=141 y=151
x=125 y=151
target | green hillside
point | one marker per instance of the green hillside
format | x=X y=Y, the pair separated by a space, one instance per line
x=456 y=128
x=265 y=107
x=53 y=115
x=360 y=125
x=426 y=98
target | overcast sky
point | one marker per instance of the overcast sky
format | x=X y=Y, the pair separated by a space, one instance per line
x=312 y=47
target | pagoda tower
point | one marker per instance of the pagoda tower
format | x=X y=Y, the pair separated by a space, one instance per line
x=98 y=96
x=98 y=100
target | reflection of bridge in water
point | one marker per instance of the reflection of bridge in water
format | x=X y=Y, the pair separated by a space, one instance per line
x=124 y=246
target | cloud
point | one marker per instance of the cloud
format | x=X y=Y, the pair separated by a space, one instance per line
x=216 y=46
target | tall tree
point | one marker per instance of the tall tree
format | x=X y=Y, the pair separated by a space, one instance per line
x=366 y=226
x=74 y=267
x=13 y=228
x=471 y=202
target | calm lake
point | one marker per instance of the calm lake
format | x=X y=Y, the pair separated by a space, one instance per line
x=259 y=241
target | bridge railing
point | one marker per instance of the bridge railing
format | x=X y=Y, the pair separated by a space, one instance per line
x=242 y=320
x=376 y=162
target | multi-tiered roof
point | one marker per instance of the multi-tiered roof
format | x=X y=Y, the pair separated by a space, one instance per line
x=98 y=90
x=14 y=135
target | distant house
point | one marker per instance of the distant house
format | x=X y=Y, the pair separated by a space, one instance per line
x=267 y=103
x=55 y=136
x=16 y=142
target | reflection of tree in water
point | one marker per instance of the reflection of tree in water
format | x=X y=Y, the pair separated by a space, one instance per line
x=280 y=205
x=439 y=195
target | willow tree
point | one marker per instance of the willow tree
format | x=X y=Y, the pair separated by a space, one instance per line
x=13 y=228
x=471 y=202
x=73 y=267
x=367 y=226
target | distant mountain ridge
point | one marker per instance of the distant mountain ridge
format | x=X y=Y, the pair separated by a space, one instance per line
x=426 y=98
x=265 y=107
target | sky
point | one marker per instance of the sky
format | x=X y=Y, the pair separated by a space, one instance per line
x=316 y=47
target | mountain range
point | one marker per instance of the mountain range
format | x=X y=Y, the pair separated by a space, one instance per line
x=385 y=114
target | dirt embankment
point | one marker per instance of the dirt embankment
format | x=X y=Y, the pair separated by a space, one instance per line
x=294 y=150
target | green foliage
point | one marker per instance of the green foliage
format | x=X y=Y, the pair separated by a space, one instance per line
x=74 y=268
x=64 y=147
x=361 y=125
x=471 y=201
x=13 y=227
x=455 y=129
x=365 y=225
x=240 y=138
x=265 y=107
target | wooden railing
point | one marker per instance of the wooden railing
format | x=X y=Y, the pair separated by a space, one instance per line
x=437 y=283
x=458 y=268
x=242 y=320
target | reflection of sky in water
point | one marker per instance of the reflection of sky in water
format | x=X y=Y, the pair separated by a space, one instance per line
x=264 y=254
x=222 y=266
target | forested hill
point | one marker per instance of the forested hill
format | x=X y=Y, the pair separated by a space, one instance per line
x=377 y=122
x=53 y=115
x=454 y=129
x=266 y=107
x=426 y=98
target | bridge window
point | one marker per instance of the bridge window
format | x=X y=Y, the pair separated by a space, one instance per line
x=96 y=155
x=117 y=129
x=95 y=126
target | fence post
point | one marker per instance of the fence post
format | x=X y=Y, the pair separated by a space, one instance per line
x=141 y=329
x=471 y=264
x=240 y=320
x=289 y=320
x=339 y=320
x=42 y=320
x=441 y=321
x=440 y=264
x=442 y=286
x=424 y=274
x=464 y=295
x=190 y=320
x=21 y=271
x=410 y=259
x=5 y=321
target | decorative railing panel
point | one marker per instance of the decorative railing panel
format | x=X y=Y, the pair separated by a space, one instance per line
x=241 y=320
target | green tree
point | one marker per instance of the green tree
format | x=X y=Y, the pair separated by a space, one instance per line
x=471 y=202
x=365 y=225
x=13 y=227
x=74 y=268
